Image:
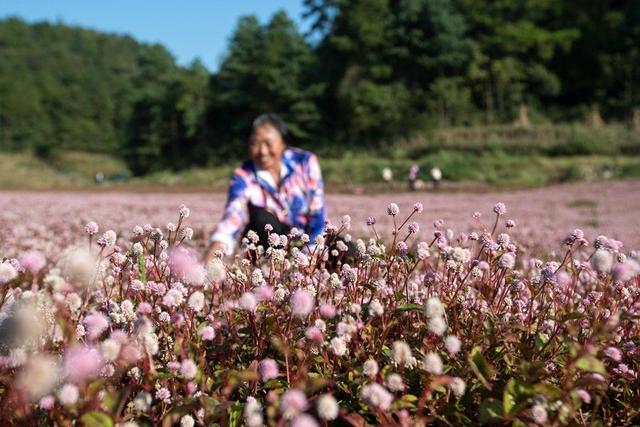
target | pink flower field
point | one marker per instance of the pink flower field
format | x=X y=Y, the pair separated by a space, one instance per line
x=518 y=308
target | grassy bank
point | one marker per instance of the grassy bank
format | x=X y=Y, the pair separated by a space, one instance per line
x=468 y=157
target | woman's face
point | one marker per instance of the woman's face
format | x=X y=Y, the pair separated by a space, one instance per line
x=266 y=147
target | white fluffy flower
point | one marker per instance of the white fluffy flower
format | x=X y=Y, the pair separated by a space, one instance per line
x=437 y=325
x=370 y=368
x=376 y=308
x=457 y=386
x=401 y=353
x=68 y=394
x=196 y=301
x=432 y=364
x=7 y=272
x=452 y=344
x=327 y=407
x=110 y=349
x=338 y=346
x=187 y=421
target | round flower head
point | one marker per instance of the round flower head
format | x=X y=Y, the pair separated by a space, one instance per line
x=188 y=369
x=248 y=302
x=91 y=228
x=376 y=395
x=292 y=403
x=327 y=407
x=7 y=272
x=304 y=420
x=33 y=261
x=500 y=208
x=393 y=209
x=602 y=261
x=418 y=207
x=68 y=394
x=432 y=363
x=452 y=344
x=268 y=369
x=370 y=368
x=207 y=333
x=301 y=303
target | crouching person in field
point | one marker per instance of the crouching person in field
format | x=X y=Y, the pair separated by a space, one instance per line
x=278 y=186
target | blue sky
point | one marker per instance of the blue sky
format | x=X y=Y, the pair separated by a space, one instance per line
x=188 y=28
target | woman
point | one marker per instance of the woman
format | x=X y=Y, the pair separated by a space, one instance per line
x=278 y=185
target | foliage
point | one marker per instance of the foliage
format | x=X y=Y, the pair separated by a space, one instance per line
x=461 y=329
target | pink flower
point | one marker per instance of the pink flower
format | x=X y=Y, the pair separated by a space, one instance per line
x=32 y=261
x=188 y=369
x=304 y=420
x=82 y=362
x=376 y=395
x=47 y=402
x=327 y=311
x=96 y=323
x=302 y=303
x=263 y=293
x=207 y=333
x=314 y=334
x=68 y=394
x=145 y=308
x=292 y=403
x=185 y=266
x=613 y=353
x=268 y=369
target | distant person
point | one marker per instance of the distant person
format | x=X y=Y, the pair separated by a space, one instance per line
x=436 y=176
x=412 y=177
x=278 y=185
x=99 y=178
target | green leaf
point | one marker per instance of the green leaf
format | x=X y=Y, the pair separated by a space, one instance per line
x=483 y=370
x=96 y=419
x=142 y=269
x=490 y=411
x=235 y=415
x=540 y=340
x=591 y=364
x=409 y=307
x=515 y=396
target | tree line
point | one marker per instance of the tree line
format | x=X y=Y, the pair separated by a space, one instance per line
x=368 y=73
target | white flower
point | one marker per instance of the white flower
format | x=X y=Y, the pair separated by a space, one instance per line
x=253 y=412
x=248 y=302
x=110 y=237
x=7 y=272
x=110 y=349
x=187 y=421
x=452 y=344
x=601 y=261
x=39 y=376
x=437 y=325
x=327 y=407
x=401 y=353
x=68 y=394
x=216 y=270
x=196 y=301
x=434 y=308
x=432 y=364
x=338 y=346
x=370 y=368
x=376 y=308
x=457 y=386
x=395 y=383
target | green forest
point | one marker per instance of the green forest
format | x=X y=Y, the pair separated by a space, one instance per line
x=370 y=74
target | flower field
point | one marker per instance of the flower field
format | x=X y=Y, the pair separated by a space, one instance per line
x=515 y=308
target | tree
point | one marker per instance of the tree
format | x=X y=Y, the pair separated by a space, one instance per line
x=266 y=69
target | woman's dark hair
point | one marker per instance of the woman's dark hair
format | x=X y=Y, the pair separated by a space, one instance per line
x=273 y=120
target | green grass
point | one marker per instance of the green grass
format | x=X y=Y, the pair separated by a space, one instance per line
x=500 y=156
